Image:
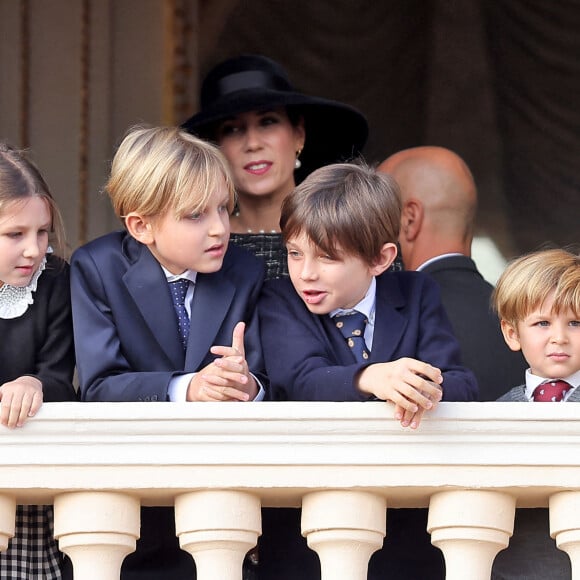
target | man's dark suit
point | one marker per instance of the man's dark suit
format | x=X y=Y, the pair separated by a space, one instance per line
x=128 y=349
x=466 y=297
x=307 y=359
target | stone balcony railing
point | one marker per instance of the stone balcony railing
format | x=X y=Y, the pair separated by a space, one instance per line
x=470 y=463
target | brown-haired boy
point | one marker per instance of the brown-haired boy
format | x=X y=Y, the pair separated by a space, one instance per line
x=341 y=227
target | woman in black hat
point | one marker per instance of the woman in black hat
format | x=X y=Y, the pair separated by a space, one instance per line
x=272 y=136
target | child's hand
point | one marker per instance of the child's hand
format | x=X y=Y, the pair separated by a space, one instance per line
x=409 y=383
x=227 y=378
x=19 y=400
x=413 y=420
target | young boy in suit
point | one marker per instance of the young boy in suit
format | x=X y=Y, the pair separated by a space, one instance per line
x=340 y=227
x=134 y=341
x=538 y=301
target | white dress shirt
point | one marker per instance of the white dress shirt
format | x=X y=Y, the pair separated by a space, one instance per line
x=177 y=388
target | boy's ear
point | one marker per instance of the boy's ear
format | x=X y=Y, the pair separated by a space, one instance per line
x=510 y=335
x=411 y=219
x=139 y=227
x=387 y=257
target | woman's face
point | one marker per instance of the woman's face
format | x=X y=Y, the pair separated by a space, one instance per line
x=261 y=147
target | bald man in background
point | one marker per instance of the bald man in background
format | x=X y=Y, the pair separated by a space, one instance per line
x=437 y=223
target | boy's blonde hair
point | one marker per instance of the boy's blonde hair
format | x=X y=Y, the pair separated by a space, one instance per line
x=160 y=169
x=21 y=179
x=529 y=280
x=345 y=205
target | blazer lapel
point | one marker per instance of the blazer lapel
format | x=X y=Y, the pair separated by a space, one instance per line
x=147 y=285
x=337 y=344
x=211 y=301
x=574 y=397
x=389 y=323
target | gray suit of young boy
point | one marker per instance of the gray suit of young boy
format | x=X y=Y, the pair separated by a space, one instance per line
x=532 y=554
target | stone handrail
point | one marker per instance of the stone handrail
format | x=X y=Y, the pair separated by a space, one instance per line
x=470 y=463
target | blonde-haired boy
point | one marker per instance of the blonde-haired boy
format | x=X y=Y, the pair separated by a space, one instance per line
x=134 y=342
x=538 y=302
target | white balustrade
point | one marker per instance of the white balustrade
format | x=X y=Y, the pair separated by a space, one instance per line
x=344 y=528
x=470 y=462
x=96 y=529
x=470 y=527
x=218 y=528
x=565 y=526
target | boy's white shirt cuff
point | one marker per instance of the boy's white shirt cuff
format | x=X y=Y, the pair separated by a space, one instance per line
x=177 y=388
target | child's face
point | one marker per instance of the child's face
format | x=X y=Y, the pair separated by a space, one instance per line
x=195 y=242
x=24 y=228
x=549 y=342
x=323 y=283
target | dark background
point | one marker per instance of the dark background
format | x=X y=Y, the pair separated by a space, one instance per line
x=497 y=81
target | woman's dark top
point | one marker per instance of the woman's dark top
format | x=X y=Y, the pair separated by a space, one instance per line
x=267 y=246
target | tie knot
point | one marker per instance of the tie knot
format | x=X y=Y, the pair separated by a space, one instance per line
x=179 y=290
x=551 y=392
x=352 y=324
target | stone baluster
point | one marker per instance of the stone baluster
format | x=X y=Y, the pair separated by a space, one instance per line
x=218 y=528
x=470 y=527
x=345 y=528
x=565 y=526
x=96 y=530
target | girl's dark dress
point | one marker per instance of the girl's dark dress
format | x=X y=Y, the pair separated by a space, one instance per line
x=37 y=339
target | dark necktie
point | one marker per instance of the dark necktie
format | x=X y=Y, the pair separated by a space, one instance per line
x=178 y=291
x=551 y=392
x=352 y=327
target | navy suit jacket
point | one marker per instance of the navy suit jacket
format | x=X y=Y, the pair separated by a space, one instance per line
x=307 y=358
x=128 y=349
x=125 y=327
x=466 y=296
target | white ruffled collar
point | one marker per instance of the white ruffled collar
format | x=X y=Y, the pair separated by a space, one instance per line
x=15 y=300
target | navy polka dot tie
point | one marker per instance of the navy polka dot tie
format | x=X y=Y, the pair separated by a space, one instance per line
x=352 y=326
x=551 y=392
x=178 y=291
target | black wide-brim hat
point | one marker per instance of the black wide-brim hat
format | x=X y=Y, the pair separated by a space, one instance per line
x=335 y=132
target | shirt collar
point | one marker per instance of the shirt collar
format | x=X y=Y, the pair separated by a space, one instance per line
x=436 y=259
x=187 y=275
x=533 y=381
x=366 y=306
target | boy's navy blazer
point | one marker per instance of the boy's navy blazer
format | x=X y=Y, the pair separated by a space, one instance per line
x=125 y=326
x=307 y=359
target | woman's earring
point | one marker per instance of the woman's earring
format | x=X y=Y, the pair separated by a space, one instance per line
x=297 y=162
